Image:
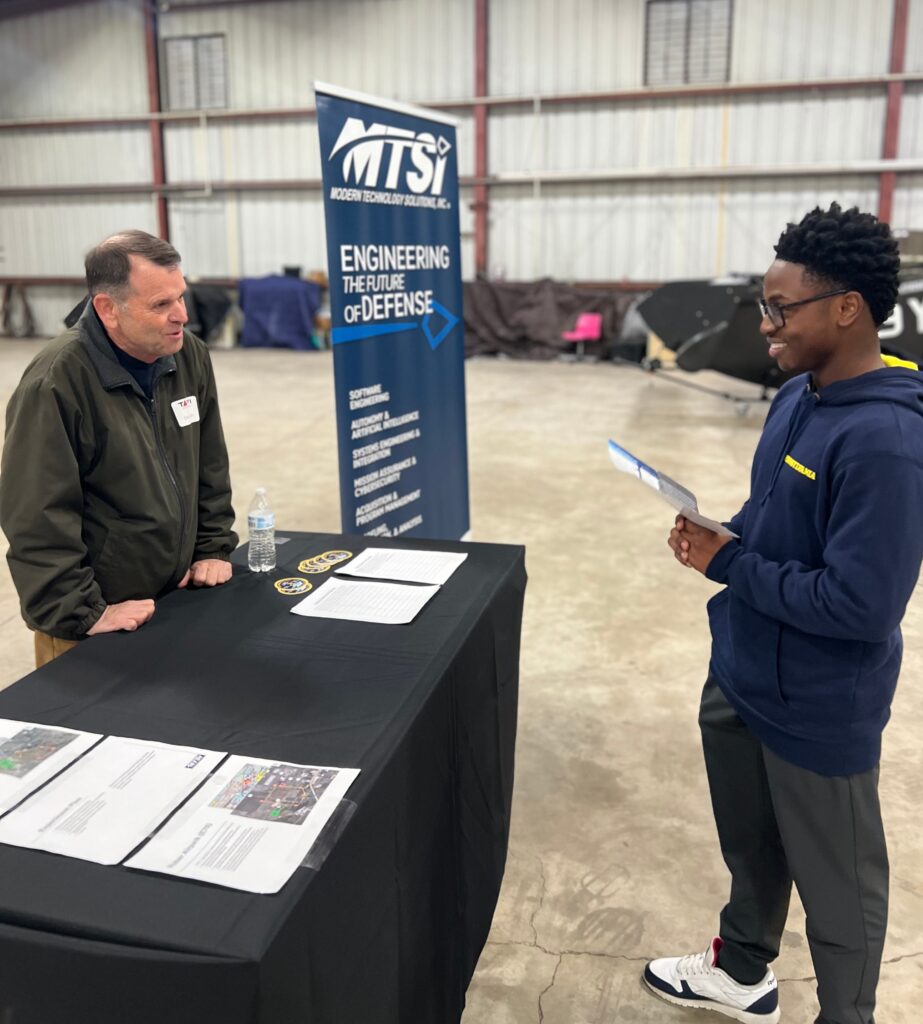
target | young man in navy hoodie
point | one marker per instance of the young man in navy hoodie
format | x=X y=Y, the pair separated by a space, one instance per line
x=806 y=640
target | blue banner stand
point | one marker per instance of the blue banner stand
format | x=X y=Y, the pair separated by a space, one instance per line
x=390 y=174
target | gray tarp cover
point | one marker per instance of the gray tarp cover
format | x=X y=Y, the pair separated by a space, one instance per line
x=525 y=319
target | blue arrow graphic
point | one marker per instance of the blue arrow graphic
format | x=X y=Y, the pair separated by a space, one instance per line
x=340 y=335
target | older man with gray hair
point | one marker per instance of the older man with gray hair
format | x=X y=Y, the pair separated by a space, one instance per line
x=114 y=486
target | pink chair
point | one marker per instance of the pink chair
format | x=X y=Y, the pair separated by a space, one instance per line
x=589 y=327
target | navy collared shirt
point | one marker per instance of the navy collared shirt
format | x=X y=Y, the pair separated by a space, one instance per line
x=142 y=372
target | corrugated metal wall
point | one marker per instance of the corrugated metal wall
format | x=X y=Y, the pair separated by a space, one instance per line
x=406 y=49
x=791 y=40
x=661 y=229
x=59 y=64
x=62 y=63
x=413 y=50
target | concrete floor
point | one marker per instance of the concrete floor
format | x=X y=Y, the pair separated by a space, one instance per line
x=613 y=857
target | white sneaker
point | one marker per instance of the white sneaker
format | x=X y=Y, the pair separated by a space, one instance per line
x=697 y=980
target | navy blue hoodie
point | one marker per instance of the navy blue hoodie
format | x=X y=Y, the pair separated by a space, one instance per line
x=806 y=640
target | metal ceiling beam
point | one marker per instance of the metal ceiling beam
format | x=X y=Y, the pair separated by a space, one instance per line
x=719 y=173
x=164 y=117
x=579 y=99
x=722 y=91
x=626 y=175
x=170 y=8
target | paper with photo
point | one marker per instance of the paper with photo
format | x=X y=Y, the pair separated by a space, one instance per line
x=362 y=601
x=31 y=754
x=682 y=499
x=250 y=826
x=404 y=566
x=110 y=801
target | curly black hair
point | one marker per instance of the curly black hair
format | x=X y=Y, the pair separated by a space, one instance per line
x=846 y=249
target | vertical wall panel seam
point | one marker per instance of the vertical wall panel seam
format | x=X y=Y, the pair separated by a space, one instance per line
x=158 y=168
x=893 y=111
x=480 y=136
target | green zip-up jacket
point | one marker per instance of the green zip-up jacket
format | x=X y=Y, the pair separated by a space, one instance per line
x=104 y=496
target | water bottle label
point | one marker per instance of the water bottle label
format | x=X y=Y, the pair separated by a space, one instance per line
x=261 y=520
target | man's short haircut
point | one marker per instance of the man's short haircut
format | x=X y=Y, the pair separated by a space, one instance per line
x=108 y=264
x=846 y=249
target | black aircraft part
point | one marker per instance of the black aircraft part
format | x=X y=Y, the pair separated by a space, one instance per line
x=715 y=325
x=677 y=311
x=902 y=335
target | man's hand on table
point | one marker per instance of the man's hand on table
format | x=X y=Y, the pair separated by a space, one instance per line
x=127 y=615
x=693 y=545
x=208 y=572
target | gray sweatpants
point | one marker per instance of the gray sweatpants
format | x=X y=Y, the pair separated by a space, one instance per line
x=778 y=823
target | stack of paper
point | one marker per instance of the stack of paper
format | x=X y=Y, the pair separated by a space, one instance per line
x=250 y=825
x=110 y=801
x=31 y=754
x=434 y=567
x=247 y=826
x=388 y=603
x=391 y=603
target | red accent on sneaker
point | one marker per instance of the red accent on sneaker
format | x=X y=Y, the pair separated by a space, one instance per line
x=716 y=944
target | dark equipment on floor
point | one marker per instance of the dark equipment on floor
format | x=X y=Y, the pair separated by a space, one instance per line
x=715 y=325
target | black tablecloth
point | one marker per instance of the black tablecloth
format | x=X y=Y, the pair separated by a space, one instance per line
x=390 y=927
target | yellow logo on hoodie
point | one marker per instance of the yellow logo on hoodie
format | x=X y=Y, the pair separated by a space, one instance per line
x=798 y=468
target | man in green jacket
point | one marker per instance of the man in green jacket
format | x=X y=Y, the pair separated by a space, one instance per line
x=114 y=487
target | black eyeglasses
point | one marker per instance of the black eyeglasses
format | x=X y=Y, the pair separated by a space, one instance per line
x=776 y=313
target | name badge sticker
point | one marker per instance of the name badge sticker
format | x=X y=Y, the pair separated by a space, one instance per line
x=186 y=410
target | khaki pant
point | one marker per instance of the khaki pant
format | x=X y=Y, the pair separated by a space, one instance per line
x=47 y=648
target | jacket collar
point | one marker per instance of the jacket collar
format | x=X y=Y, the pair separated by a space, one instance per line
x=111 y=372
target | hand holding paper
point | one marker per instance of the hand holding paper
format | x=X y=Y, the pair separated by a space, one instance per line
x=694 y=545
x=672 y=493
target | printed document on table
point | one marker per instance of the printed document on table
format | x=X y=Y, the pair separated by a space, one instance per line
x=392 y=604
x=673 y=493
x=110 y=801
x=249 y=826
x=404 y=566
x=31 y=754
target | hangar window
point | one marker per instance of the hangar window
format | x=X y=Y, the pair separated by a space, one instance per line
x=195 y=72
x=687 y=41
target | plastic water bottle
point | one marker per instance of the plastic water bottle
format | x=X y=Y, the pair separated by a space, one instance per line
x=261 y=525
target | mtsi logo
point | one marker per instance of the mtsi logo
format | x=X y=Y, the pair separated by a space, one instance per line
x=364 y=149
